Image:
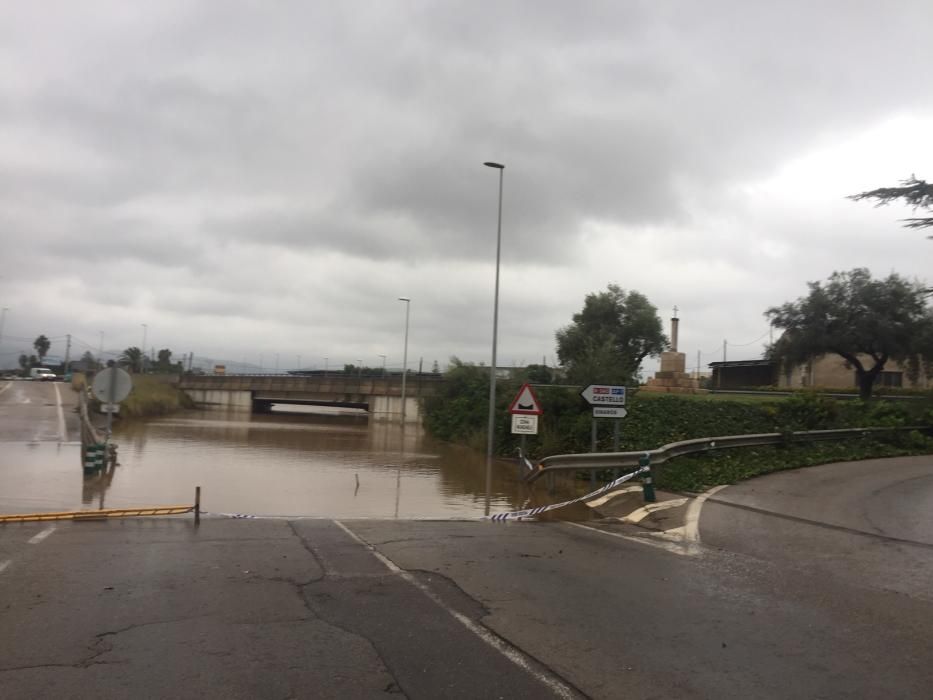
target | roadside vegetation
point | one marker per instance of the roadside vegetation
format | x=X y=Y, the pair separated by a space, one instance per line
x=459 y=415
x=151 y=396
x=865 y=321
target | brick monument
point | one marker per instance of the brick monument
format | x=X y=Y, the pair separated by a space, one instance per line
x=672 y=378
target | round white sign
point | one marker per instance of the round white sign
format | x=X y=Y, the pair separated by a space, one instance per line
x=112 y=385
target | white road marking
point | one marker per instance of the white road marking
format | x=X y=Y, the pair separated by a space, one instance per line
x=36 y=539
x=61 y=415
x=500 y=645
x=636 y=516
x=692 y=519
x=681 y=548
x=596 y=502
x=7 y=386
x=3 y=565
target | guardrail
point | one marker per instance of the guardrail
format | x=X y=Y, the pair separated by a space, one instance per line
x=598 y=461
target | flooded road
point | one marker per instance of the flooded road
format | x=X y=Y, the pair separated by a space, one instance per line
x=306 y=462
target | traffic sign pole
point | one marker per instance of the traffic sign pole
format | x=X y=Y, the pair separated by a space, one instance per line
x=111 y=400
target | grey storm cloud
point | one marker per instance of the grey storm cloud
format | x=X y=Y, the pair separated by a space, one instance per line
x=193 y=137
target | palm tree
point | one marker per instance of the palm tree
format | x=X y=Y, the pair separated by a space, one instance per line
x=42 y=345
x=132 y=357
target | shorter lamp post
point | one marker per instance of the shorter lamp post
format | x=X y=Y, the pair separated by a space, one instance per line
x=407 y=301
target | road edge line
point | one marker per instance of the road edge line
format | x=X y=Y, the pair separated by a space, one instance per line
x=692 y=518
x=499 y=644
x=682 y=549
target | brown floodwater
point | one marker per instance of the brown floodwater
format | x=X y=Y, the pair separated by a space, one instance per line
x=296 y=463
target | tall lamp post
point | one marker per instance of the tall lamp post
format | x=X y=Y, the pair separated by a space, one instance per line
x=491 y=430
x=383 y=366
x=142 y=354
x=407 y=301
x=2 y=319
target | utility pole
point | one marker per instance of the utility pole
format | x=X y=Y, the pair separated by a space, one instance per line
x=698 y=365
x=100 y=350
x=67 y=352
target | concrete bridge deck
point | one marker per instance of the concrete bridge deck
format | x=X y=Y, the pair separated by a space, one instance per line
x=380 y=396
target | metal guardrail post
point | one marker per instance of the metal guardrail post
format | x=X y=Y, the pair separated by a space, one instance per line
x=647 y=483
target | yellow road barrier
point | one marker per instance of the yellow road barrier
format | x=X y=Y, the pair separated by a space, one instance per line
x=98 y=514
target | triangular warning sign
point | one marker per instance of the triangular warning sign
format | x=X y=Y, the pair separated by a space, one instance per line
x=525 y=402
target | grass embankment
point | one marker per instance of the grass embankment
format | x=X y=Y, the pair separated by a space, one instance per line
x=459 y=415
x=151 y=396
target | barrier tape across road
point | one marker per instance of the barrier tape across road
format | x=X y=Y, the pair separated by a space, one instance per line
x=532 y=512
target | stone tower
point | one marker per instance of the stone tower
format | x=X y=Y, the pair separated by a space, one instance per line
x=672 y=378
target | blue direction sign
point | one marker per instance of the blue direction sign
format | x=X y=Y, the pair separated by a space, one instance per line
x=604 y=395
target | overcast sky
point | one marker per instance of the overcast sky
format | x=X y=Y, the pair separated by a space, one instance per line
x=251 y=179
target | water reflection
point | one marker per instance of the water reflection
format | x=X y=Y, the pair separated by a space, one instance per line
x=303 y=463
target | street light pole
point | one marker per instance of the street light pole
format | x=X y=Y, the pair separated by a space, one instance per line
x=407 y=301
x=2 y=320
x=491 y=434
x=142 y=354
x=383 y=366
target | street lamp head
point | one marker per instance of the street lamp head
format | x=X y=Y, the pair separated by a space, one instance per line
x=404 y=299
x=491 y=164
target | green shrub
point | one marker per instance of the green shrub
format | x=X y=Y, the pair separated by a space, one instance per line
x=460 y=412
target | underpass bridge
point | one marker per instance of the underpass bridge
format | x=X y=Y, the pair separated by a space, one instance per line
x=380 y=396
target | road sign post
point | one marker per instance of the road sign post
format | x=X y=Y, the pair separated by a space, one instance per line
x=525 y=409
x=110 y=387
x=525 y=402
x=608 y=401
x=604 y=395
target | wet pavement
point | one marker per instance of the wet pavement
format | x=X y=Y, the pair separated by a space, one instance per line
x=323 y=608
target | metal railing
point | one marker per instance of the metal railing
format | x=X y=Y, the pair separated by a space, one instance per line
x=598 y=461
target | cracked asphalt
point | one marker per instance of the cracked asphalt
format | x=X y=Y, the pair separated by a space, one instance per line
x=432 y=609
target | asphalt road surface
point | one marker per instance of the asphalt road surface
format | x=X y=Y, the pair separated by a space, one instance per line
x=32 y=411
x=317 y=608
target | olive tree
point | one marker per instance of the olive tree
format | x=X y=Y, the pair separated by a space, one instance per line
x=610 y=337
x=865 y=321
